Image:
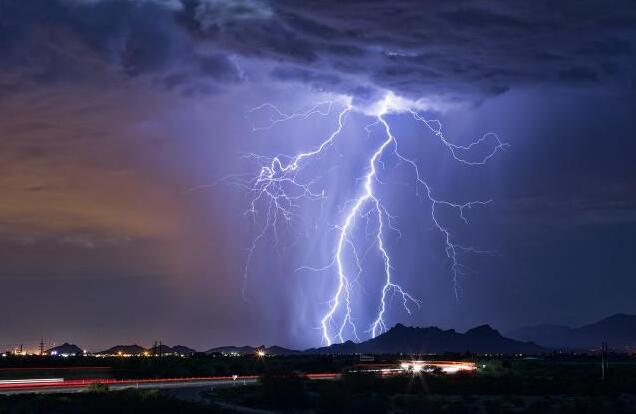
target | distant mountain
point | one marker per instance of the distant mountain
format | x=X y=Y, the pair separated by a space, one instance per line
x=618 y=330
x=250 y=350
x=241 y=350
x=410 y=340
x=138 y=350
x=65 y=349
x=279 y=350
x=124 y=349
x=160 y=349
x=178 y=349
x=183 y=350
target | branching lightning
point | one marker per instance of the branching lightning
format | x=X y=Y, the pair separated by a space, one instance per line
x=277 y=189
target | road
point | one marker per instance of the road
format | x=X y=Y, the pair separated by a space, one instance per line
x=72 y=386
x=81 y=385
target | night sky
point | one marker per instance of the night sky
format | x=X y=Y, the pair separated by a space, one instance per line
x=120 y=119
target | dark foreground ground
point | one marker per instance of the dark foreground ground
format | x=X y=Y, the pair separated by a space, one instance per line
x=546 y=385
x=535 y=386
x=129 y=401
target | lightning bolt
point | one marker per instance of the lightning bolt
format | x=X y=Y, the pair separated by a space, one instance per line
x=277 y=188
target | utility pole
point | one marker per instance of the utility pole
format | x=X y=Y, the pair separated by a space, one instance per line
x=604 y=361
x=41 y=346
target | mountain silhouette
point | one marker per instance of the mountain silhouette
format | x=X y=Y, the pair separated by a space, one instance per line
x=138 y=350
x=124 y=349
x=65 y=349
x=182 y=350
x=432 y=340
x=618 y=330
x=251 y=350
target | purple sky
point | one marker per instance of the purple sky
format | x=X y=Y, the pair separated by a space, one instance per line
x=112 y=112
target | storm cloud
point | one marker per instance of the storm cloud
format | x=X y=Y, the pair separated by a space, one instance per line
x=464 y=51
x=112 y=111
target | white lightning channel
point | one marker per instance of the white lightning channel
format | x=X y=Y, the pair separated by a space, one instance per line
x=277 y=188
x=276 y=184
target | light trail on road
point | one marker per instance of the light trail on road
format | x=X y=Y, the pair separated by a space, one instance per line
x=50 y=385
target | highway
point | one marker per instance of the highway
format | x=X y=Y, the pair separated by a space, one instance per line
x=58 y=385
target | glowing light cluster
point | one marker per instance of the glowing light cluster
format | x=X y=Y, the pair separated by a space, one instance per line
x=278 y=187
x=448 y=367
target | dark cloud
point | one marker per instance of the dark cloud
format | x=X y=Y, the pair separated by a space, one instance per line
x=47 y=42
x=481 y=18
x=96 y=158
x=319 y=80
x=609 y=47
x=464 y=50
x=579 y=74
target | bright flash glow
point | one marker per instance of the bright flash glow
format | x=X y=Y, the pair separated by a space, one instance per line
x=278 y=186
x=417 y=367
x=447 y=367
x=260 y=353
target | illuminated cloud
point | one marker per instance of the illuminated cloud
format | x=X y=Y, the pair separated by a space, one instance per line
x=468 y=50
x=464 y=51
x=110 y=110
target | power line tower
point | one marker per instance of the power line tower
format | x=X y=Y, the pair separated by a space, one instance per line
x=41 y=346
x=604 y=361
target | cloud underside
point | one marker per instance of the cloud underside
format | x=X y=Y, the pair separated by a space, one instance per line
x=461 y=51
x=74 y=73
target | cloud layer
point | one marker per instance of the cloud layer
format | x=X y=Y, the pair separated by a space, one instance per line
x=465 y=50
x=110 y=110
